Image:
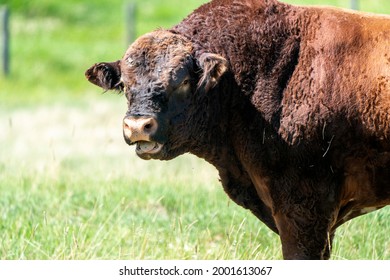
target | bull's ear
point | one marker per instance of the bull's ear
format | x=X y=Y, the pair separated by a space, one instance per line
x=213 y=67
x=106 y=75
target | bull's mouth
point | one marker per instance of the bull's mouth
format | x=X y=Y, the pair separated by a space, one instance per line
x=145 y=148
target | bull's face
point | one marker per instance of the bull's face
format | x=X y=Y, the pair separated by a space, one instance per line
x=161 y=79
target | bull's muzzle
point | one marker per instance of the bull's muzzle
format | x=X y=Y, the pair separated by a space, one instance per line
x=139 y=130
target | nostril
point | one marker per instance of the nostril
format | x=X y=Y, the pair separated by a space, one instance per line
x=149 y=126
x=125 y=125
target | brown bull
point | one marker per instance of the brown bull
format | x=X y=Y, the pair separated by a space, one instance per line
x=291 y=104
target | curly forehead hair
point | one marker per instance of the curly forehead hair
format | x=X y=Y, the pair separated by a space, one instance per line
x=158 y=45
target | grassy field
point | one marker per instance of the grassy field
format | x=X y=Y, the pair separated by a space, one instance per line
x=72 y=189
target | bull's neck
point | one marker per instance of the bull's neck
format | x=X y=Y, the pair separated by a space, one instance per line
x=210 y=134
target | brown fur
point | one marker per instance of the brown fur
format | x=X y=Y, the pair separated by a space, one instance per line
x=291 y=104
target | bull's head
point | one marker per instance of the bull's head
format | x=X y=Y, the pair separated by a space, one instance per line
x=160 y=76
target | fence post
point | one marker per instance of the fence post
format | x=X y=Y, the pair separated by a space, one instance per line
x=355 y=4
x=130 y=21
x=4 y=40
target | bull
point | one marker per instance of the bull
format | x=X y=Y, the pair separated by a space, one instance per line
x=291 y=104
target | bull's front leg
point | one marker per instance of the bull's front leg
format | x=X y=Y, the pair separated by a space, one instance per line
x=302 y=238
x=304 y=208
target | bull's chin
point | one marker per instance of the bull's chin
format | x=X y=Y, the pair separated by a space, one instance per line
x=148 y=149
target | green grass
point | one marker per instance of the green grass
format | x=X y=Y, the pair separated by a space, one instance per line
x=72 y=189
x=125 y=219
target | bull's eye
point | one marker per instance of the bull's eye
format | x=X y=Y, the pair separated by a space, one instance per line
x=185 y=82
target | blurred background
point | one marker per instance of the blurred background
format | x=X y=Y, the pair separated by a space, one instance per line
x=72 y=189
